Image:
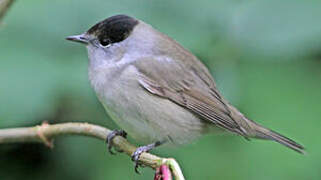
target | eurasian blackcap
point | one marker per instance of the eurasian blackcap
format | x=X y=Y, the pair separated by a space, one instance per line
x=156 y=90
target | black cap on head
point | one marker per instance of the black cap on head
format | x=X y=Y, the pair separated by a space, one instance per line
x=113 y=29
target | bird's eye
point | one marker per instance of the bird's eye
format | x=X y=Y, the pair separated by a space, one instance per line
x=104 y=42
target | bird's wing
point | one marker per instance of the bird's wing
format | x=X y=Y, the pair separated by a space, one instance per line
x=188 y=84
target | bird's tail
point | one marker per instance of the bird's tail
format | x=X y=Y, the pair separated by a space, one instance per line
x=264 y=133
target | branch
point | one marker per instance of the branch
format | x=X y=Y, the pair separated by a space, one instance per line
x=4 y=6
x=45 y=133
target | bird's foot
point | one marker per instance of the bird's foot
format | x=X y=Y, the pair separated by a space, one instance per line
x=111 y=136
x=140 y=150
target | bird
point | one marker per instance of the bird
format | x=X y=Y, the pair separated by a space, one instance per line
x=157 y=91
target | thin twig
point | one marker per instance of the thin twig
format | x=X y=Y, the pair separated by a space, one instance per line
x=45 y=134
x=4 y=6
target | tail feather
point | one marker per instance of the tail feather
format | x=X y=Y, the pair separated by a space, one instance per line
x=264 y=133
x=254 y=130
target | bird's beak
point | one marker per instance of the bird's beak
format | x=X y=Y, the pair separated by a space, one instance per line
x=78 y=38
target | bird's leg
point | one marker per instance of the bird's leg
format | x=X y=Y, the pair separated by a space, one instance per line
x=141 y=149
x=111 y=136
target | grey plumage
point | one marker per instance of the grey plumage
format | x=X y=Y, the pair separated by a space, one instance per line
x=156 y=90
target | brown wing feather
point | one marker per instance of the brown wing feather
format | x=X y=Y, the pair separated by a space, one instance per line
x=183 y=86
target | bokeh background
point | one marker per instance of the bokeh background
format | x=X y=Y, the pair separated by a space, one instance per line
x=265 y=56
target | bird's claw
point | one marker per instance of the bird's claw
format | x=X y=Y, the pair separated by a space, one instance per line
x=111 y=136
x=136 y=154
x=140 y=150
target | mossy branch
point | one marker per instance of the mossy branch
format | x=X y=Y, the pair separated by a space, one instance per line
x=45 y=133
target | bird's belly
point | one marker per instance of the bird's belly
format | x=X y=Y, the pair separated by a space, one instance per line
x=146 y=117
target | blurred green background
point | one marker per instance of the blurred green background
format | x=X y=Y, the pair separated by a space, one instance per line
x=265 y=56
